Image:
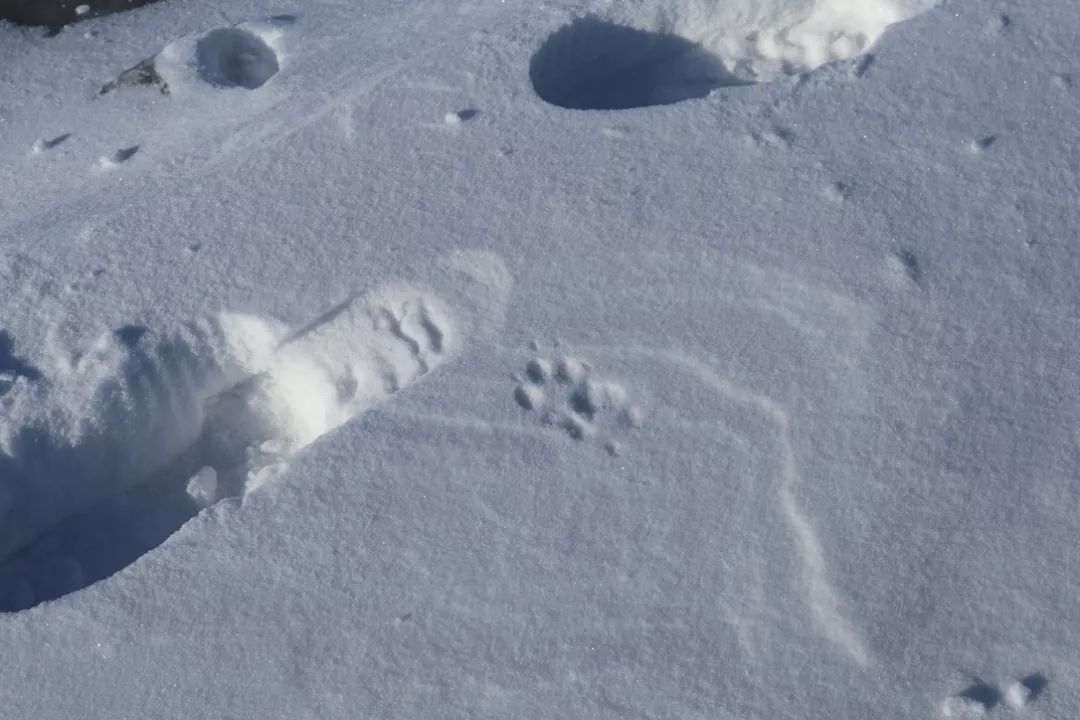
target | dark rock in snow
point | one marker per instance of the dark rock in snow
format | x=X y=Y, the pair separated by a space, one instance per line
x=56 y=13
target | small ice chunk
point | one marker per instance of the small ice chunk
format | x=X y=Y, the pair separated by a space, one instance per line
x=203 y=487
x=846 y=46
x=82 y=9
x=42 y=144
x=110 y=161
x=456 y=118
x=275 y=446
x=981 y=144
x=1027 y=689
x=262 y=475
x=1017 y=695
x=962 y=707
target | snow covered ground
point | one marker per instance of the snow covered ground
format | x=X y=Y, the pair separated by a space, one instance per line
x=580 y=359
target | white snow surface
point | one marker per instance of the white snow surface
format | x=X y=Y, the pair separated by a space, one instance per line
x=580 y=359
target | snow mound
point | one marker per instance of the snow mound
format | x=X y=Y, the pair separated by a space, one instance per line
x=656 y=52
x=102 y=462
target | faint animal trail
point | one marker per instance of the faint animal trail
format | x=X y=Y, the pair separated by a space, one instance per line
x=981 y=698
x=103 y=462
x=826 y=608
x=566 y=395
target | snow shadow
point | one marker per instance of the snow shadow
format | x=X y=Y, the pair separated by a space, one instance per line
x=61 y=529
x=593 y=64
x=11 y=366
x=1035 y=684
x=983 y=694
x=84 y=549
x=232 y=57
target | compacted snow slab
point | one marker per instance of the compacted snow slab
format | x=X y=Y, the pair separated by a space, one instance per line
x=781 y=421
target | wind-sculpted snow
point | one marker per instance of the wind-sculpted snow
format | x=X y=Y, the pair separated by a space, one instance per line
x=104 y=462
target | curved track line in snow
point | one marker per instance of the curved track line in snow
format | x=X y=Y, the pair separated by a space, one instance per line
x=101 y=463
x=825 y=606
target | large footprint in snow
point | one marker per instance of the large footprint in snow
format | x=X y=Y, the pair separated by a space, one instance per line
x=658 y=52
x=145 y=427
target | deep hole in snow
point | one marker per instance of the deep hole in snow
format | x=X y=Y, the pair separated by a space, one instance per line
x=982 y=694
x=592 y=64
x=108 y=455
x=1035 y=684
x=685 y=50
x=231 y=57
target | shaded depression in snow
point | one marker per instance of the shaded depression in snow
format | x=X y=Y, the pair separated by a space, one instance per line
x=592 y=64
x=231 y=57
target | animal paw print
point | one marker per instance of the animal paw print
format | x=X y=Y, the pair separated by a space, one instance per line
x=567 y=395
x=980 y=698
